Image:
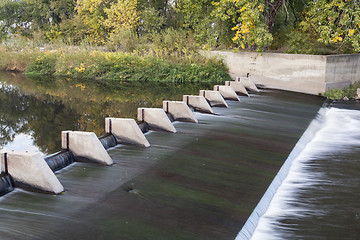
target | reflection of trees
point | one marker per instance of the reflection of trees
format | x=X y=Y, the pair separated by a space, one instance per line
x=13 y=107
x=44 y=119
x=45 y=107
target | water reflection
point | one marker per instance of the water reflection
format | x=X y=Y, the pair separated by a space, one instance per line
x=35 y=111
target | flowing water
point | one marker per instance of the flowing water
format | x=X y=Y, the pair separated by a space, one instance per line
x=201 y=183
x=319 y=199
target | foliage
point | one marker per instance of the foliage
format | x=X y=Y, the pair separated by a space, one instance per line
x=113 y=66
x=121 y=16
x=92 y=14
x=335 y=22
x=249 y=23
x=339 y=94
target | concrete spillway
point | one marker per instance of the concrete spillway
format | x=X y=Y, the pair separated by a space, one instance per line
x=198 y=178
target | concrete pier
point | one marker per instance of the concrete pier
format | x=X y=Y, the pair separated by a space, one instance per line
x=85 y=145
x=198 y=103
x=156 y=119
x=214 y=97
x=126 y=131
x=246 y=81
x=238 y=87
x=227 y=92
x=179 y=111
x=30 y=170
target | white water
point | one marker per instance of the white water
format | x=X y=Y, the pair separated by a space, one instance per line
x=333 y=131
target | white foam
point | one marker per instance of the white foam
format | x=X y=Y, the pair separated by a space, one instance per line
x=337 y=130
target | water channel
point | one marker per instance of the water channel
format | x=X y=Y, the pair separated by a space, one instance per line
x=201 y=183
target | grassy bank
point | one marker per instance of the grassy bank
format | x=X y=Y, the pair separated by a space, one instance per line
x=338 y=94
x=77 y=63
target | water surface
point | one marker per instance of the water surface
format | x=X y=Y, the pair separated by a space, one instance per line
x=200 y=183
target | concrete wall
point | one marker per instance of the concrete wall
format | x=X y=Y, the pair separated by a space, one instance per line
x=312 y=74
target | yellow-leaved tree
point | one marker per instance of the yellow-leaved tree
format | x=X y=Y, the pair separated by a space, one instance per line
x=91 y=13
x=122 y=15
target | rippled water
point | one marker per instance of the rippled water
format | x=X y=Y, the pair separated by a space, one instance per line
x=320 y=197
x=200 y=183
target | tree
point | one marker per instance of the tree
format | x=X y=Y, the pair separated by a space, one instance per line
x=249 y=20
x=122 y=15
x=92 y=14
x=334 y=22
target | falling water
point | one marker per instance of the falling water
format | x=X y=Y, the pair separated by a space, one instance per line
x=319 y=198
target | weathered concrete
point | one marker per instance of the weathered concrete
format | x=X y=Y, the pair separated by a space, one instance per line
x=311 y=74
x=238 y=87
x=199 y=103
x=179 y=111
x=30 y=169
x=214 y=98
x=227 y=92
x=156 y=119
x=85 y=145
x=246 y=81
x=126 y=131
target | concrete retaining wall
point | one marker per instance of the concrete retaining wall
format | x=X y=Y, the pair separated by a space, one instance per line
x=312 y=74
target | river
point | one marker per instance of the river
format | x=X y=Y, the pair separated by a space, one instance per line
x=201 y=183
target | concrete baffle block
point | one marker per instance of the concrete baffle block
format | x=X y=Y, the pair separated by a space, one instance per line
x=126 y=131
x=214 y=98
x=30 y=170
x=227 y=92
x=85 y=145
x=179 y=111
x=238 y=87
x=198 y=103
x=246 y=81
x=156 y=118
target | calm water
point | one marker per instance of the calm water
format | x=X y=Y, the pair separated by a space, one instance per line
x=35 y=111
x=319 y=199
x=200 y=183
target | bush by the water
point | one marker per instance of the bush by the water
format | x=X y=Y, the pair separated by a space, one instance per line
x=338 y=94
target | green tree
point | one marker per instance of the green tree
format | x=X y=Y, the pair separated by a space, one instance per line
x=335 y=22
x=122 y=15
x=92 y=14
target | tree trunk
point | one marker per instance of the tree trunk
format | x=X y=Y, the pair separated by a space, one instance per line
x=271 y=9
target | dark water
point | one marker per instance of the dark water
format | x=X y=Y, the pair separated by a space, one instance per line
x=33 y=112
x=320 y=198
x=200 y=183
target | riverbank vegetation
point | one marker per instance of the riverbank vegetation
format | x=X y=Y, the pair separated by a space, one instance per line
x=349 y=92
x=163 y=39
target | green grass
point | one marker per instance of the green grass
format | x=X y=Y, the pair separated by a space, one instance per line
x=78 y=63
x=338 y=94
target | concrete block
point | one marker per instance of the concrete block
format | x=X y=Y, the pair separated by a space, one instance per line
x=246 y=81
x=126 y=131
x=179 y=111
x=199 y=103
x=227 y=92
x=238 y=87
x=214 y=98
x=31 y=170
x=156 y=119
x=86 y=145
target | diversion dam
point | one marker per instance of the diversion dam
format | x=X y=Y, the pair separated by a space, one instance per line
x=202 y=182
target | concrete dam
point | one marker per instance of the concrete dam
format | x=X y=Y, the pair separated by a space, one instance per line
x=194 y=168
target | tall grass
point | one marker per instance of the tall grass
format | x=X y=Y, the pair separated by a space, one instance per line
x=151 y=64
